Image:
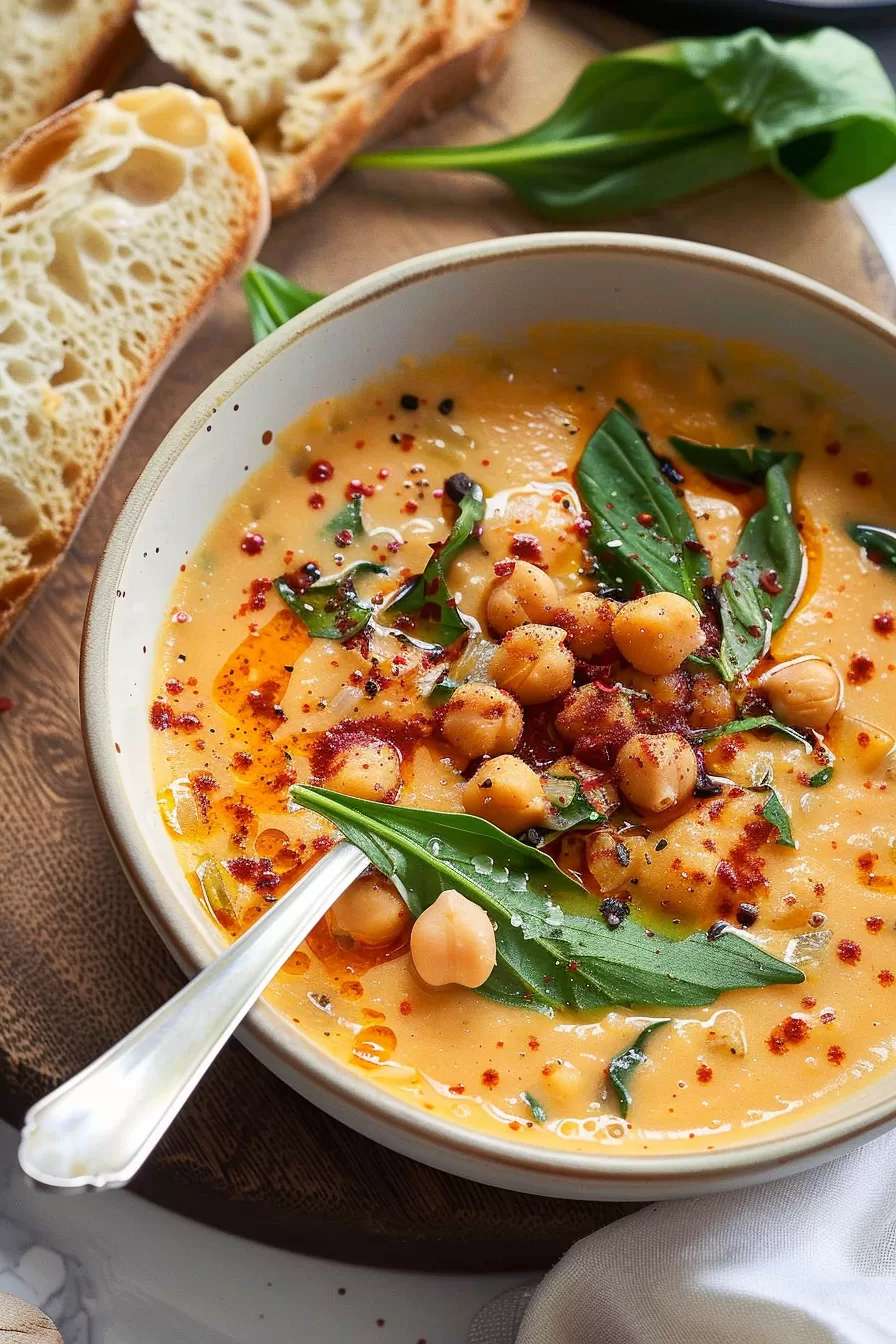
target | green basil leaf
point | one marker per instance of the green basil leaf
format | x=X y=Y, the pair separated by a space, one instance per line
x=776 y=815
x=273 y=299
x=821 y=777
x=349 y=519
x=879 y=543
x=331 y=607
x=618 y=479
x=745 y=466
x=550 y=956
x=568 y=805
x=819 y=105
x=750 y=725
x=426 y=601
x=443 y=690
x=623 y=1065
x=770 y=550
x=653 y=124
x=539 y=1114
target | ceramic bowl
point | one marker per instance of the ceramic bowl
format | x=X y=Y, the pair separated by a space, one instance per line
x=423 y=306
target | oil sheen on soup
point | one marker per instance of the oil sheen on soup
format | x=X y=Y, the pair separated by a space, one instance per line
x=534 y=586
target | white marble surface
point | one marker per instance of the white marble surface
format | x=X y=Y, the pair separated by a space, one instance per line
x=112 y=1269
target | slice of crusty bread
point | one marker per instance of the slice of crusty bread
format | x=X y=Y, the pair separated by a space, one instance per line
x=311 y=80
x=49 y=49
x=118 y=219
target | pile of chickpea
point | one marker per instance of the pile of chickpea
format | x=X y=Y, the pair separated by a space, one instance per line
x=655 y=771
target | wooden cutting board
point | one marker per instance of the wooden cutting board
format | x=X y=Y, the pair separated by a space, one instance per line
x=79 y=964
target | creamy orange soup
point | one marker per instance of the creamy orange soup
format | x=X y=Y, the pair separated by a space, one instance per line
x=249 y=703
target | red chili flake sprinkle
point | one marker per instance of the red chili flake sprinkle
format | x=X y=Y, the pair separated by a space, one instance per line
x=255 y=872
x=162 y=716
x=646 y=519
x=849 y=951
x=863 y=739
x=534 y=1043
x=204 y=782
x=359 y=443
x=5 y=704
x=514 y=1125
x=863 y=478
x=704 y=1073
x=182 y=618
x=490 y=1077
x=405 y=1007
x=241 y=760
x=874 y=923
x=795 y=1029
x=383 y=473
x=884 y=623
x=343 y=538
x=777 y=1044
x=833 y=448
x=173 y=686
x=457 y=1090
x=252 y=543
x=836 y=1054
x=861 y=669
x=885 y=978
x=320 y=470
x=769 y=583
x=486 y=462
x=827 y=1017
x=503 y=568
x=866 y=861
x=410 y=506
x=257 y=596
x=316 y=501
x=808 y=1002
x=524 y=546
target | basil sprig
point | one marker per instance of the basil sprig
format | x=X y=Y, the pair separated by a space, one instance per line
x=776 y=815
x=750 y=725
x=661 y=121
x=550 y=956
x=621 y=1066
x=426 y=601
x=273 y=299
x=331 y=607
x=744 y=466
x=350 y=518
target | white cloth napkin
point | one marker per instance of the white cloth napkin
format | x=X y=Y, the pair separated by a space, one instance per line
x=807 y=1260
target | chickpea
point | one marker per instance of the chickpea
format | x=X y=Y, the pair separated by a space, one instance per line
x=587 y=620
x=805 y=693
x=562 y=1079
x=666 y=693
x=370 y=912
x=711 y=703
x=656 y=772
x=656 y=633
x=533 y=663
x=481 y=720
x=607 y=860
x=589 y=709
x=370 y=769
x=453 y=942
x=525 y=595
x=506 y=792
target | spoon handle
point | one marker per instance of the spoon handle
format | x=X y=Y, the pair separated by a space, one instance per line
x=99 y=1127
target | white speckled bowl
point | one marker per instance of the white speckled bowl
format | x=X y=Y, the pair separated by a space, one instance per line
x=421 y=307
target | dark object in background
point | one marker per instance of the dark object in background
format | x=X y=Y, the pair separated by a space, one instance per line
x=724 y=16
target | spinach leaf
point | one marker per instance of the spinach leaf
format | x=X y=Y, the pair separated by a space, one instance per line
x=273 y=299
x=765 y=578
x=539 y=1114
x=425 y=606
x=331 y=607
x=550 y=957
x=620 y=484
x=749 y=725
x=655 y=123
x=775 y=814
x=621 y=1066
x=821 y=777
x=878 y=542
x=745 y=466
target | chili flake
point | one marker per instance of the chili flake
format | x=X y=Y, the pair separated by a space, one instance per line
x=849 y=951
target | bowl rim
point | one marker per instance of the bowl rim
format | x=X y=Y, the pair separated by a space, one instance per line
x=266 y=1032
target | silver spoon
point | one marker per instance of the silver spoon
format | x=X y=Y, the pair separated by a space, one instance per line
x=97 y=1130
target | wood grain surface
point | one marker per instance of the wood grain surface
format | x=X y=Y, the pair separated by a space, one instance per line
x=79 y=964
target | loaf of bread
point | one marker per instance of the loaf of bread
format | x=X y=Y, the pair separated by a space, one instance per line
x=311 y=81
x=51 y=51
x=118 y=220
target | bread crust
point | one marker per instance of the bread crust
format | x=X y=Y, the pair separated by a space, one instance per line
x=441 y=80
x=248 y=234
